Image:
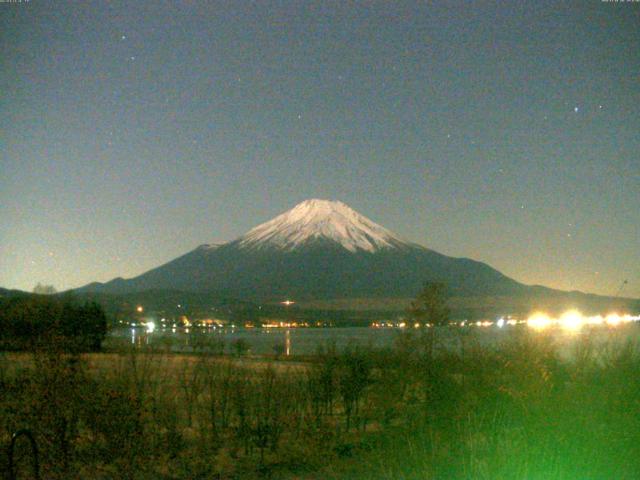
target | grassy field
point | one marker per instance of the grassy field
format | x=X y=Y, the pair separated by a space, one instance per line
x=414 y=411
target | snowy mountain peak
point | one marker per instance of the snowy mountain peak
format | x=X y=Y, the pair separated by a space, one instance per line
x=317 y=219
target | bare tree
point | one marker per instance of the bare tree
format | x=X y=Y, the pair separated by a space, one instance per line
x=430 y=306
x=44 y=289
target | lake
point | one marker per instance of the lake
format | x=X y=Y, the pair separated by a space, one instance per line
x=303 y=341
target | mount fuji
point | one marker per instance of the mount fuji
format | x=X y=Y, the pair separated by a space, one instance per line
x=319 y=250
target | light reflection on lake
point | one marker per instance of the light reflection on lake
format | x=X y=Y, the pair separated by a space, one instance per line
x=303 y=341
x=294 y=341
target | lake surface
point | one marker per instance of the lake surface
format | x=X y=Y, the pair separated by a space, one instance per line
x=260 y=341
x=303 y=341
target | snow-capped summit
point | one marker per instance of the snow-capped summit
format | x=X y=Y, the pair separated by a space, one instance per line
x=317 y=219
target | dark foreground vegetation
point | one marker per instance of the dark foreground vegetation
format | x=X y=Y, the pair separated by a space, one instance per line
x=416 y=411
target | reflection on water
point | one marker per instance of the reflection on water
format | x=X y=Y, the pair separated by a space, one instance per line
x=287 y=342
x=303 y=341
x=261 y=341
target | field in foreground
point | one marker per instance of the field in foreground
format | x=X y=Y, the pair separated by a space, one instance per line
x=414 y=411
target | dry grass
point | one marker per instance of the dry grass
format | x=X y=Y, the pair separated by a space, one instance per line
x=516 y=411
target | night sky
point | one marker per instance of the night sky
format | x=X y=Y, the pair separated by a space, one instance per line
x=131 y=132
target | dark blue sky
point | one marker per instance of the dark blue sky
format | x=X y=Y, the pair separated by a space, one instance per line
x=134 y=131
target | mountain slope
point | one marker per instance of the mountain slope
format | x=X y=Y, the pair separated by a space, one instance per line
x=318 y=250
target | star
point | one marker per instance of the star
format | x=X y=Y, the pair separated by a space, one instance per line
x=576 y=109
x=123 y=37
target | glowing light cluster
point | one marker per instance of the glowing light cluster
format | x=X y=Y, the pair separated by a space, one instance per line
x=539 y=321
x=484 y=323
x=573 y=320
x=281 y=324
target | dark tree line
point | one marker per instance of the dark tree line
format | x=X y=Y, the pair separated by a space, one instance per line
x=37 y=321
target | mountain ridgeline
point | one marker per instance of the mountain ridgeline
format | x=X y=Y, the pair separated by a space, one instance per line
x=319 y=250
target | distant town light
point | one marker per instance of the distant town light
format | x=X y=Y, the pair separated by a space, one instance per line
x=539 y=321
x=613 y=319
x=139 y=309
x=288 y=302
x=571 y=320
